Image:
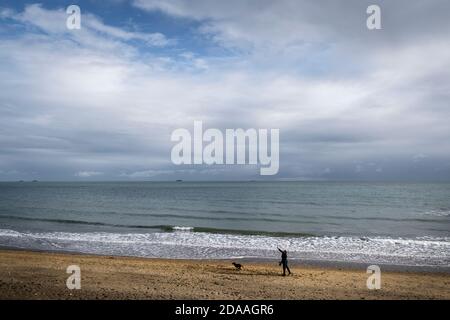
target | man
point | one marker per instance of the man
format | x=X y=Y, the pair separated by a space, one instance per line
x=284 y=261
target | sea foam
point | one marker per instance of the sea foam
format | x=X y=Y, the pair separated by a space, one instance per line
x=424 y=251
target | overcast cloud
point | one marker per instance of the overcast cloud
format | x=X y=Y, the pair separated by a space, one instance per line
x=100 y=103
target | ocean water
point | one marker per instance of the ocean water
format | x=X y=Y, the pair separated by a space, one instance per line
x=401 y=224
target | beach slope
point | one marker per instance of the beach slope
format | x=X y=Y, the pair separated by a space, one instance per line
x=36 y=275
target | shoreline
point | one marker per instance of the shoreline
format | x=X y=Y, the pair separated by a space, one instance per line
x=326 y=264
x=42 y=275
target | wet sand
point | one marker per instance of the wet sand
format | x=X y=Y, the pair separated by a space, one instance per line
x=39 y=275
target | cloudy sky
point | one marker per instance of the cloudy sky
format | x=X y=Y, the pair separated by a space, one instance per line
x=100 y=103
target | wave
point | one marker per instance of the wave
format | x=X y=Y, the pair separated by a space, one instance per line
x=69 y=221
x=177 y=228
x=442 y=212
x=165 y=228
x=186 y=243
x=148 y=215
x=383 y=219
x=228 y=231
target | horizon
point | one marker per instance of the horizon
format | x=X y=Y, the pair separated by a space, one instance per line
x=231 y=181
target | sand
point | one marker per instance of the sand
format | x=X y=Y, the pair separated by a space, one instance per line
x=37 y=275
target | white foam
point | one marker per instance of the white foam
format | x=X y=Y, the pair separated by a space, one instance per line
x=424 y=251
x=176 y=228
x=437 y=213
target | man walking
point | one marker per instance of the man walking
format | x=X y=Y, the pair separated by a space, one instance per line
x=284 y=261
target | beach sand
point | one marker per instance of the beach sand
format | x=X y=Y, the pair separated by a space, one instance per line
x=36 y=275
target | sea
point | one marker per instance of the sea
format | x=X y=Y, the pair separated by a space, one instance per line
x=383 y=223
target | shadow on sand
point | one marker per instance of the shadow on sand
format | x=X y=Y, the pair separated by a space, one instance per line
x=244 y=272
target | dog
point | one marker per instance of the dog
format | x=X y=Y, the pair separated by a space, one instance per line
x=238 y=266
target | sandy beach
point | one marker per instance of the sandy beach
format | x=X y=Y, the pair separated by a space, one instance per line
x=38 y=275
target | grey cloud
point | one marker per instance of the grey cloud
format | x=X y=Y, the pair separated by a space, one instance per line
x=289 y=21
x=355 y=98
